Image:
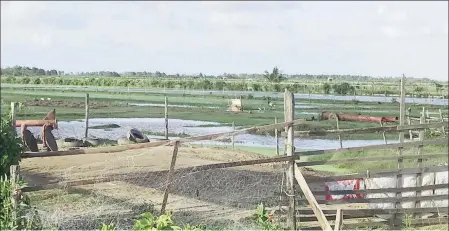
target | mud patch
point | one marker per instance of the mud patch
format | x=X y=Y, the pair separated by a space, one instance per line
x=72 y=104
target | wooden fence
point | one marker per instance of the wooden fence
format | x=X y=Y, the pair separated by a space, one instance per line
x=294 y=173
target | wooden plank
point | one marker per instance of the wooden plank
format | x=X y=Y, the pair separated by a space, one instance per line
x=338 y=220
x=374 y=147
x=289 y=114
x=380 y=200
x=368 y=130
x=86 y=116
x=308 y=218
x=392 y=172
x=381 y=190
x=311 y=199
x=376 y=158
x=170 y=176
x=371 y=212
x=122 y=148
x=413 y=222
x=63 y=184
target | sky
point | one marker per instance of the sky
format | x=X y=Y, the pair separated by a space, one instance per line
x=358 y=38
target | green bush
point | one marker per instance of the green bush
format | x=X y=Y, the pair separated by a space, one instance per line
x=148 y=221
x=10 y=146
x=25 y=216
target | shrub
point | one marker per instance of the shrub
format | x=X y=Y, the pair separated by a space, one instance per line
x=10 y=146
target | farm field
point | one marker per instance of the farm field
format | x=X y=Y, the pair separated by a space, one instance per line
x=131 y=182
x=70 y=106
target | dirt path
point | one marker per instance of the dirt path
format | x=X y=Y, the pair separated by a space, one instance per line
x=219 y=197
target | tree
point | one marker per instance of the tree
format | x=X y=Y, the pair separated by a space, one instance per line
x=343 y=88
x=275 y=76
x=326 y=88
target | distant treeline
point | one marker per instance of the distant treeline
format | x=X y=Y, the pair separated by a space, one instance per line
x=34 y=71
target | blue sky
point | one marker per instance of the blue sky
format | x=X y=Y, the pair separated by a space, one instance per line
x=366 y=38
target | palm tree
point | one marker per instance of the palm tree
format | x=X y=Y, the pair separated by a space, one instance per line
x=275 y=76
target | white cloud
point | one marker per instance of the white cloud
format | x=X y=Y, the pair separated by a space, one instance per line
x=217 y=37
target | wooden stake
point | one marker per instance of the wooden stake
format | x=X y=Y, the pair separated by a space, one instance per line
x=14 y=175
x=409 y=122
x=166 y=118
x=383 y=134
x=86 y=117
x=170 y=176
x=420 y=164
x=289 y=105
x=338 y=128
x=233 y=137
x=276 y=135
x=401 y=149
x=443 y=129
x=338 y=220
x=14 y=110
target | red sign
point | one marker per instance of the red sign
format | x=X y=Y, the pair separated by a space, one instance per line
x=343 y=185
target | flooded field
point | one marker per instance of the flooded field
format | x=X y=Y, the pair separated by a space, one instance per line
x=76 y=129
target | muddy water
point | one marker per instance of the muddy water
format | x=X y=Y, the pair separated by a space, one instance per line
x=76 y=129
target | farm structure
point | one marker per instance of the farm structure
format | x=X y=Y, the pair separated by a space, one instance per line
x=218 y=183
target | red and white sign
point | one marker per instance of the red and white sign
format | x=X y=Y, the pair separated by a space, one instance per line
x=343 y=185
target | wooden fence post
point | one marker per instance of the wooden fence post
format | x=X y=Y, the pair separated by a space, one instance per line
x=14 y=110
x=166 y=118
x=420 y=164
x=400 y=149
x=338 y=220
x=276 y=136
x=442 y=121
x=423 y=114
x=233 y=137
x=383 y=133
x=289 y=113
x=338 y=128
x=409 y=122
x=14 y=171
x=170 y=176
x=86 y=116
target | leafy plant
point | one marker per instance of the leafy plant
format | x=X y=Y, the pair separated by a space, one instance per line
x=164 y=222
x=21 y=217
x=10 y=145
x=266 y=220
x=108 y=227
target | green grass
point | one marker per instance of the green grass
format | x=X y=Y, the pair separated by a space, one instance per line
x=387 y=164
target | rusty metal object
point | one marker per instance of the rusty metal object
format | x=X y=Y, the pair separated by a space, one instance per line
x=360 y=118
x=36 y=123
x=391 y=118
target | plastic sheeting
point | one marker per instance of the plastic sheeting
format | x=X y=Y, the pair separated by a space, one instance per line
x=408 y=181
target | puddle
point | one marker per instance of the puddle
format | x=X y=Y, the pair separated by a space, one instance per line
x=76 y=129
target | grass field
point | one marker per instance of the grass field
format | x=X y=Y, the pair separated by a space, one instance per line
x=70 y=106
